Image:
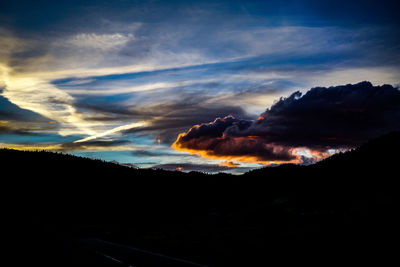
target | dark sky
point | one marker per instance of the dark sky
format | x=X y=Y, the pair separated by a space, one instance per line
x=111 y=79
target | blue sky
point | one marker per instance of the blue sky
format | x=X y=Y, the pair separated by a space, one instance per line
x=111 y=79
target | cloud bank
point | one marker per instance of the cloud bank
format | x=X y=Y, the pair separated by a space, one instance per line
x=339 y=117
x=187 y=167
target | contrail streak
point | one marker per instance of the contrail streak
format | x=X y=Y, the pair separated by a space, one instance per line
x=114 y=130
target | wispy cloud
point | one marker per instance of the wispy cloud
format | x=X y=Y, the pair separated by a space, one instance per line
x=102 y=42
x=112 y=131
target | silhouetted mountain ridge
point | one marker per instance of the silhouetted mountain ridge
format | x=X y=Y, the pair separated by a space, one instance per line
x=381 y=150
x=341 y=207
x=375 y=155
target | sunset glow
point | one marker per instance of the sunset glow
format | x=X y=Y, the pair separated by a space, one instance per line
x=230 y=84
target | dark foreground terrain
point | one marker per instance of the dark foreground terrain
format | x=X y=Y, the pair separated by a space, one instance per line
x=62 y=210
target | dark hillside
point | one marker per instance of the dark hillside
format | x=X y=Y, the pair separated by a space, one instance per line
x=338 y=208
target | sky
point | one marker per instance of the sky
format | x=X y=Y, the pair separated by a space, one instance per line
x=198 y=85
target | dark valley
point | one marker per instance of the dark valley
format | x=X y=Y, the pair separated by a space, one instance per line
x=63 y=210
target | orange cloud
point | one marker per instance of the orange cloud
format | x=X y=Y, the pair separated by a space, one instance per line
x=236 y=149
x=229 y=164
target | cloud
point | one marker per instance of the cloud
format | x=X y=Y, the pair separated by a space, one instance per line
x=334 y=117
x=98 y=71
x=99 y=41
x=115 y=91
x=209 y=140
x=150 y=154
x=28 y=66
x=5 y=129
x=95 y=144
x=112 y=131
x=192 y=167
x=90 y=146
x=165 y=119
x=339 y=117
x=27 y=128
x=40 y=97
x=17 y=121
x=9 y=111
x=176 y=117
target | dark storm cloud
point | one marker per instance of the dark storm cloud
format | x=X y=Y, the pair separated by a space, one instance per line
x=337 y=117
x=211 y=138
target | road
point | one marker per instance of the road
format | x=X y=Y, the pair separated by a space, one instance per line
x=129 y=256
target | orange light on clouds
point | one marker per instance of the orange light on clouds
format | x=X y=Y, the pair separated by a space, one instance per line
x=228 y=164
x=230 y=158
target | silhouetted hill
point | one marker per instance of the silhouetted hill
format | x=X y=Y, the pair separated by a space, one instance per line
x=375 y=154
x=342 y=207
